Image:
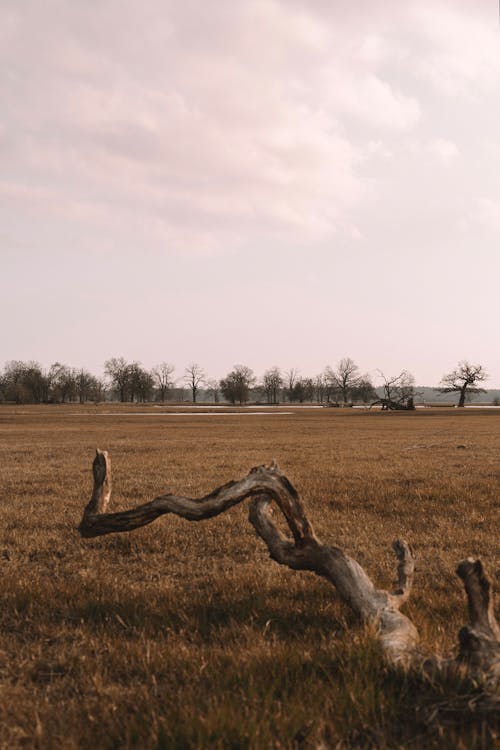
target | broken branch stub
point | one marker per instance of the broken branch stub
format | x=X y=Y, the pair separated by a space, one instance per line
x=479 y=639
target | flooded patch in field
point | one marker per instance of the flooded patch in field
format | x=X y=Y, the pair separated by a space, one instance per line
x=189 y=414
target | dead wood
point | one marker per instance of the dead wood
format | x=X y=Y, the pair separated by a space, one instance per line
x=479 y=640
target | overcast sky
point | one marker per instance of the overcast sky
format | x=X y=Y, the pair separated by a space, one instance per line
x=267 y=182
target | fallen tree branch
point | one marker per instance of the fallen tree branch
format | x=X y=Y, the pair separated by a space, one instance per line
x=479 y=639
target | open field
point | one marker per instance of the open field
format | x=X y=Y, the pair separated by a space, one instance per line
x=184 y=635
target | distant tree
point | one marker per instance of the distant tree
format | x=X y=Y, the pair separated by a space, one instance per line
x=141 y=383
x=303 y=390
x=343 y=378
x=213 y=389
x=236 y=385
x=118 y=371
x=272 y=384
x=463 y=380
x=14 y=384
x=321 y=390
x=162 y=376
x=290 y=380
x=63 y=385
x=25 y=382
x=399 y=390
x=88 y=387
x=194 y=377
x=364 y=390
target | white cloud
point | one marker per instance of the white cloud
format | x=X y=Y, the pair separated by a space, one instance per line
x=445 y=151
x=460 y=47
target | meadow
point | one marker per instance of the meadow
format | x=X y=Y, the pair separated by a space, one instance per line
x=186 y=635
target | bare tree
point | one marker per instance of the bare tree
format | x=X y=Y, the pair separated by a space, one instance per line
x=272 y=383
x=162 y=376
x=320 y=388
x=479 y=640
x=236 y=385
x=213 y=389
x=118 y=371
x=463 y=380
x=63 y=383
x=291 y=378
x=363 y=390
x=344 y=377
x=25 y=382
x=88 y=387
x=194 y=377
x=399 y=391
x=141 y=383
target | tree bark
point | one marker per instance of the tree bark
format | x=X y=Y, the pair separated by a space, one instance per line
x=479 y=640
x=461 y=400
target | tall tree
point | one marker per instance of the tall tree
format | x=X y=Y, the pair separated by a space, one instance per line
x=213 y=389
x=321 y=391
x=162 y=375
x=88 y=387
x=343 y=378
x=194 y=377
x=236 y=385
x=63 y=385
x=118 y=371
x=272 y=383
x=463 y=380
x=363 y=390
x=141 y=383
x=25 y=382
x=291 y=379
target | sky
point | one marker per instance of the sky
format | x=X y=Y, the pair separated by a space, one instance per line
x=266 y=182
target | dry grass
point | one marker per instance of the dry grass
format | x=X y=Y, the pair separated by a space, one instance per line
x=186 y=635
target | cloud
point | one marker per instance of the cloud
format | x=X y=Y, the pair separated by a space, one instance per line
x=215 y=122
x=460 y=46
x=445 y=151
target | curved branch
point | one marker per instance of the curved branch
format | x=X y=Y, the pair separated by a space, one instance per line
x=397 y=634
x=97 y=521
x=479 y=640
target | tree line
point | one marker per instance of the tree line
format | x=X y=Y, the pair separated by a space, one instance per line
x=343 y=384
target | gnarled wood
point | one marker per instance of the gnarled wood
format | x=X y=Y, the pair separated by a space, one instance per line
x=479 y=639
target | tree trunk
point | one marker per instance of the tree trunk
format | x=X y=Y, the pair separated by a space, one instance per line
x=479 y=640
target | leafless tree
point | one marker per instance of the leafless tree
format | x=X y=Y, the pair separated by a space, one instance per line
x=88 y=387
x=194 y=377
x=25 y=382
x=463 y=380
x=213 y=389
x=343 y=378
x=236 y=385
x=363 y=390
x=141 y=383
x=291 y=378
x=272 y=383
x=162 y=376
x=399 y=390
x=320 y=388
x=63 y=383
x=118 y=371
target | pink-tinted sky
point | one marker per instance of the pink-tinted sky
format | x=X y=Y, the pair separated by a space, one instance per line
x=272 y=182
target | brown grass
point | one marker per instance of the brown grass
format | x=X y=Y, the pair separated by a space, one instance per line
x=186 y=635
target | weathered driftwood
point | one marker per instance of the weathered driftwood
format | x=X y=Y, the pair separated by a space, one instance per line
x=479 y=640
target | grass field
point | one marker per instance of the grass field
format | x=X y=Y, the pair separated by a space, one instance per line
x=184 y=635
